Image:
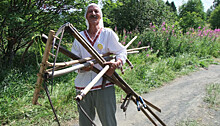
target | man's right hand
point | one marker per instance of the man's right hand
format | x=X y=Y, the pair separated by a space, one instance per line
x=88 y=68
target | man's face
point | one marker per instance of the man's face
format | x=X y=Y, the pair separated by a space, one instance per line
x=93 y=15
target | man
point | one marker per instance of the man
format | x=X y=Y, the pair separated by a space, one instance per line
x=104 y=40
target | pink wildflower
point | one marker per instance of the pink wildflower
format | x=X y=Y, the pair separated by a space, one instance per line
x=139 y=43
x=115 y=28
x=124 y=31
x=163 y=23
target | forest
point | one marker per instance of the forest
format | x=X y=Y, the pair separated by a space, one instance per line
x=180 y=41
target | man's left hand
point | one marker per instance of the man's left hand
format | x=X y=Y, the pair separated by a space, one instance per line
x=113 y=66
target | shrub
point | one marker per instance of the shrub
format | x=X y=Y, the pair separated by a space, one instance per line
x=215 y=18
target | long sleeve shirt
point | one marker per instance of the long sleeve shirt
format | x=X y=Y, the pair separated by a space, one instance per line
x=105 y=41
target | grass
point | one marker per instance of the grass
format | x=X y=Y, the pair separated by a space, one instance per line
x=213 y=95
x=188 y=123
x=18 y=86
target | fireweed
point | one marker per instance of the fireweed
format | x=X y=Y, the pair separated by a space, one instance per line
x=171 y=41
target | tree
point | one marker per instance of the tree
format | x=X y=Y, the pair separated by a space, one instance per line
x=191 y=20
x=192 y=14
x=192 y=6
x=216 y=3
x=208 y=12
x=172 y=6
x=215 y=18
x=20 y=20
x=137 y=14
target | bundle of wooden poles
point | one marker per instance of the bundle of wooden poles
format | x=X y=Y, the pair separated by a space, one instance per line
x=78 y=63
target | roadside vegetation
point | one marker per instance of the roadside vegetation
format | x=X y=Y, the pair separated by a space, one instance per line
x=175 y=49
x=213 y=95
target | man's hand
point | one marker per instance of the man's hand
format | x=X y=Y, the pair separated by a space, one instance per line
x=113 y=66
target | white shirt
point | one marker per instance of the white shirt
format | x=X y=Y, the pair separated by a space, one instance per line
x=105 y=41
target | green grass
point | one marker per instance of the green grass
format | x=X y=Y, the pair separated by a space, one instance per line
x=188 y=123
x=213 y=95
x=17 y=88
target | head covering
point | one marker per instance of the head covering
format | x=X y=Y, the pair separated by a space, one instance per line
x=101 y=20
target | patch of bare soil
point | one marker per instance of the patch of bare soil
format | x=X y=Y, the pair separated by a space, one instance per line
x=180 y=100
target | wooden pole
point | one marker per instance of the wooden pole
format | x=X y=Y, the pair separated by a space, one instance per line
x=43 y=67
x=92 y=83
x=135 y=49
x=130 y=42
x=73 y=68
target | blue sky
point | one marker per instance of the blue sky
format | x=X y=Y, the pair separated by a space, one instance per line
x=206 y=3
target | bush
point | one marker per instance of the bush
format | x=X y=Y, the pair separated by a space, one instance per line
x=191 y=20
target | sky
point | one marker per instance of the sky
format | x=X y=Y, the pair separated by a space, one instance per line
x=206 y=3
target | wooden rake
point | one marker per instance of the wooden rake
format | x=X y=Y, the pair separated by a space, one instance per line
x=142 y=103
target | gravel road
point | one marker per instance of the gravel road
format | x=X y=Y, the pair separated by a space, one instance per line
x=180 y=100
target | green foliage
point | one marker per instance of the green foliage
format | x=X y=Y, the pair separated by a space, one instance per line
x=17 y=90
x=172 y=6
x=215 y=18
x=20 y=20
x=191 y=20
x=192 y=6
x=171 y=53
x=136 y=15
x=191 y=14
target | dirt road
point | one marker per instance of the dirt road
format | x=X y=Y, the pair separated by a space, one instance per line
x=179 y=100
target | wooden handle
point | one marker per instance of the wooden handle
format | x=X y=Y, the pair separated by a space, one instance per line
x=92 y=83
